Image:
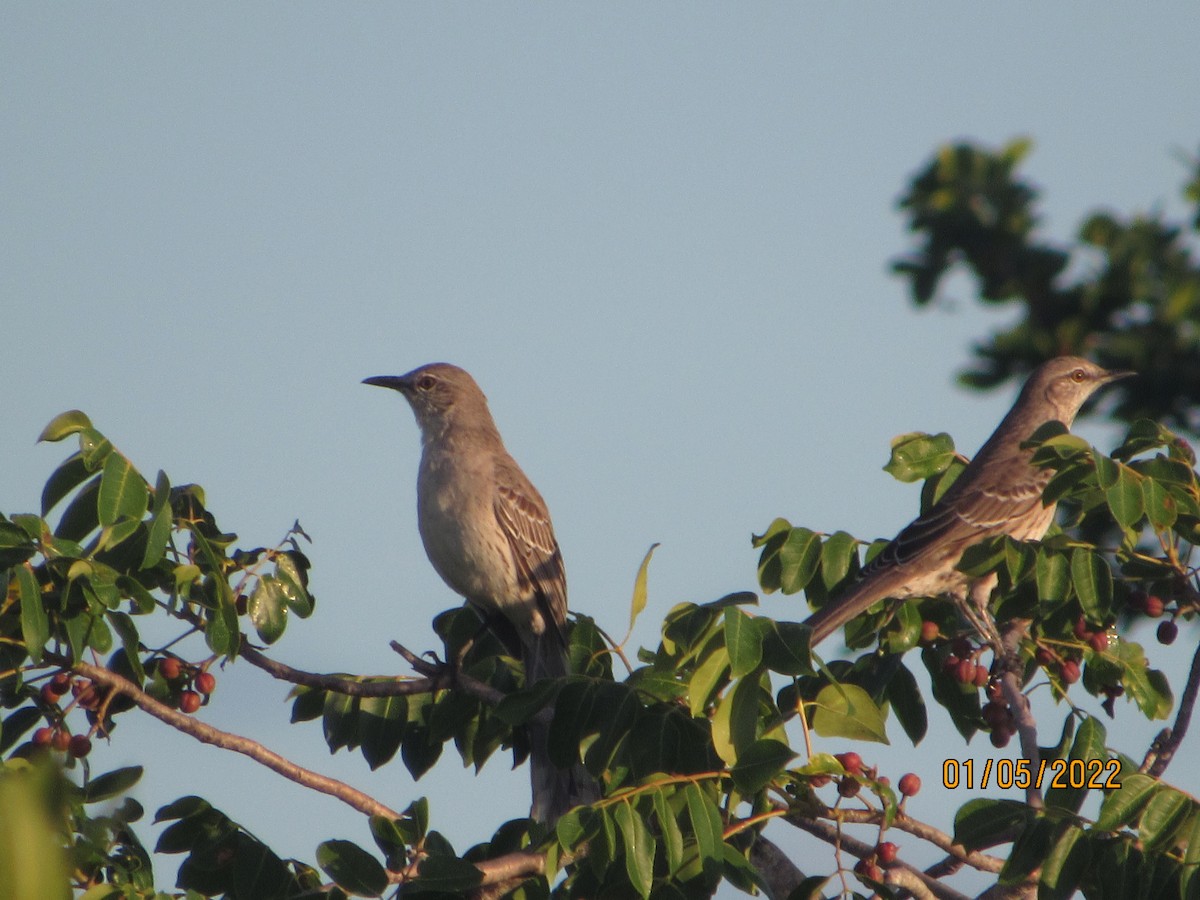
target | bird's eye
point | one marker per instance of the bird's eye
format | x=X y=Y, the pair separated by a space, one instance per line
x=1078 y=376
x=425 y=382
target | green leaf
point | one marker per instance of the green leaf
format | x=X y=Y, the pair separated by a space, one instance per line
x=64 y=425
x=340 y=721
x=111 y=784
x=1161 y=508
x=1124 y=497
x=798 y=558
x=291 y=582
x=706 y=679
x=735 y=722
x=638 y=602
x=706 y=826
x=352 y=868
x=759 y=764
x=785 y=647
x=1087 y=746
x=130 y=640
x=447 y=875
x=1053 y=576
x=1166 y=813
x=35 y=627
x=15 y=545
x=122 y=491
x=94 y=447
x=1093 y=583
x=743 y=640
x=982 y=823
x=668 y=828
x=381 y=723
x=68 y=476
x=1064 y=865
x=846 y=710
x=639 y=848
x=918 y=455
x=32 y=859
x=267 y=608
x=1120 y=808
x=904 y=695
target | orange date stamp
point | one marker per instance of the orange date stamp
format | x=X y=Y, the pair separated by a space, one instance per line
x=1077 y=774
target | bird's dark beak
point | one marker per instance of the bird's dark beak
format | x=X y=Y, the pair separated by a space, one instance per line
x=1116 y=376
x=395 y=382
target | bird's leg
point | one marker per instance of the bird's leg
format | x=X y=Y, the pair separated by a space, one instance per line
x=974 y=603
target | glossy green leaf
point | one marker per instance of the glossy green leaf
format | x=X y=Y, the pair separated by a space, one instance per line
x=352 y=868
x=639 y=848
x=80 y=518
x=708 y=676
x=1093 y=584
x=918 y=455
x=735 y=722
x=64 y=425
x=1161 y=507
x=743 y=640
x=846 y=710
x=706 y=826
x=130 y=640
x=1120 y=808
x=94 y=447
x=904 y=695
x=980 y=823
x=1124 y=497
x=638 y=601
x=122 y=491
x=66 y=478
x=381 y=723
x=668 y=830
x=798 y=558
x=1064 y=865
x=1165 y=815
x=1053 y=574
x=759 y=764
x=111 y=784
x=785 y=647
x=35 y=627
x=291 y=585
x=839 y=554
x=15 y=545
x=267 y=608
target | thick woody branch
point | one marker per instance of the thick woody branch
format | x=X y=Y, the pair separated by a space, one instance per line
x=207 y=734
x=1018 y=703
x=339 y=684
x=1163 y=750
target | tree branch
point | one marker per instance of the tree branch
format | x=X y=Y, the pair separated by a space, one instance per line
x=1018 y=703
x=207 y=734
x=1162 y=751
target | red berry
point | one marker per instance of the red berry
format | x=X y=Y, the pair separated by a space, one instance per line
x=169 y=668
x=60 y=683
x=929 y=632
x=43 y=736
x=950 y=664
x=994 y=714
x=995 y=693
x=206 y=682
x=848 y=787
x=60 y=740
x=868 y=870
x=1154 y=606
x=189 y=701
x=965 y=672
x=1167 y=632
x=1000 y=737
x=1069 y=671
x=818 y=780
x=910 y=784
x=79 y=745
x=47 y=693
x=981 y=676
x=1099 y=641
x=961 y=647
x=887 y=852
x=850 y=761
x=1081 y=629
x=1045 y=656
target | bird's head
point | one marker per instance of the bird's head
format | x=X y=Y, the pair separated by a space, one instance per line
x=1066 y=382
x=440 y=394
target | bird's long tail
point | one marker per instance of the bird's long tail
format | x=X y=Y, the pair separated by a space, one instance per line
x=554 y=790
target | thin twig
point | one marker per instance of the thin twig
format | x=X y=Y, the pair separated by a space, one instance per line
x=1162 y=751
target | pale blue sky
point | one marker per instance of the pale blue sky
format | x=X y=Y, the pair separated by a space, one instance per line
x=658 y=235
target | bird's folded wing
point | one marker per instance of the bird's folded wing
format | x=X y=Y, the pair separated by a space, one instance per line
x=523 y=518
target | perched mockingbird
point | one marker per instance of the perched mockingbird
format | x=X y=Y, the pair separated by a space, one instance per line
x=487 y=532
x=1000 y=492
